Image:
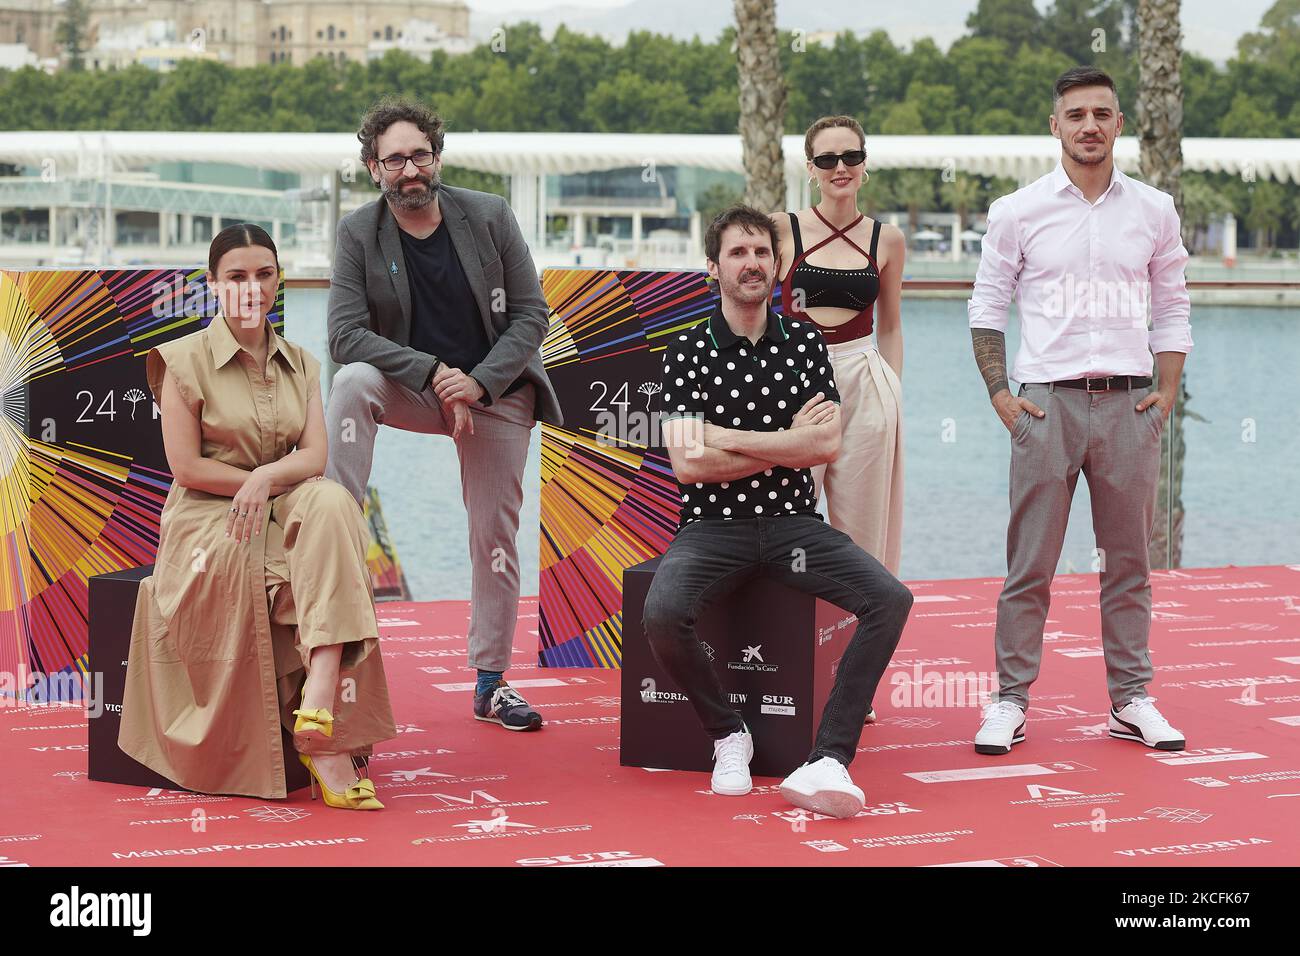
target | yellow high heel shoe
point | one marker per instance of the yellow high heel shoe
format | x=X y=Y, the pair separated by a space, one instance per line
x=359 y=796
x=318 y=720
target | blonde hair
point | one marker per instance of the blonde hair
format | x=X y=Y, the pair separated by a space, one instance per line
x=832 y=122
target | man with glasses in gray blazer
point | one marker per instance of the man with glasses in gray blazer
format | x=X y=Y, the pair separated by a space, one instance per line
x=436 y=319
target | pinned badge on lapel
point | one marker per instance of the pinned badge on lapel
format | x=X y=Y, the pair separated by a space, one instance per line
x=392 y=267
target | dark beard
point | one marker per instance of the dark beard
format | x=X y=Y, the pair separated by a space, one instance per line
x=399 y=198
x=1083 y=160
x=738 y=293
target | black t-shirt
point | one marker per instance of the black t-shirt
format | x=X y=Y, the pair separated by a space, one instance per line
x=722 y=378
x=445 y=320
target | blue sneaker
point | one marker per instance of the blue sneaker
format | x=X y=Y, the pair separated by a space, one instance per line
x=503 y=705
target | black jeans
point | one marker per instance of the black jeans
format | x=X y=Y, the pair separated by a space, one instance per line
x=710 y=558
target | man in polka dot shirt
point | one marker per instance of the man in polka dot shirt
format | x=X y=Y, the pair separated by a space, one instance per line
x=749 y=407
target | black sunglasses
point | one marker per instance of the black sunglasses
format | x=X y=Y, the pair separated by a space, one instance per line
x=854 y=157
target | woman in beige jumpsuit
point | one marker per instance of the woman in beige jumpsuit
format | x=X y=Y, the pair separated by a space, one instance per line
x=259 y=612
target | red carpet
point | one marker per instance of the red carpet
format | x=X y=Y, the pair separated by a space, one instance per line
x=1226 y=648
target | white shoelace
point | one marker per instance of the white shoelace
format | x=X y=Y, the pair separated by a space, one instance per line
x=1146 y=707
x=507 y=694
x=731 y=754
x=1003 y=714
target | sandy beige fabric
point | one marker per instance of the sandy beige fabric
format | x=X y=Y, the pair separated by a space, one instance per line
x=864 y=485
x=223 y=628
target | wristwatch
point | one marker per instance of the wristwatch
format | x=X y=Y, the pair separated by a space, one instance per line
x=433 y=371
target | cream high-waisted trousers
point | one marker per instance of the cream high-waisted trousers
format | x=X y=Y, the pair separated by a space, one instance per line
x=864 y=485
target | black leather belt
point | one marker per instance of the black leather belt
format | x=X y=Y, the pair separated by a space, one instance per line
x=1105 y=384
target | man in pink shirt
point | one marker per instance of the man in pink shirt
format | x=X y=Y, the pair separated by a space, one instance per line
x=1089 y=255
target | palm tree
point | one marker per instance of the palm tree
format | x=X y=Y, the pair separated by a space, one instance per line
x=1160 y=144
x=1202 y=205
x=960 y=193
x=1266 y=214
x=916 y=192
x=762 y=103
x=879 y=195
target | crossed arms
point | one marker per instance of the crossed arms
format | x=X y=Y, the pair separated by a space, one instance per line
x=707 y=453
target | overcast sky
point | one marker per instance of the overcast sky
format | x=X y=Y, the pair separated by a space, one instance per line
x=1210 y=27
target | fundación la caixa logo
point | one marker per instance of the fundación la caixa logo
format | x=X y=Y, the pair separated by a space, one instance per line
x=77 y=908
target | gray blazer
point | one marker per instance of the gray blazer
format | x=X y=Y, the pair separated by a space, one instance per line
x=370 y=297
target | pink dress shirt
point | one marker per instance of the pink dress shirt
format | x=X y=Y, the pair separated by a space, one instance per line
x=1086 y=278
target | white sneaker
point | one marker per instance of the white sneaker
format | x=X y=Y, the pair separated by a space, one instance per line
x=1003 y=725
x=871 y=716
x=1139 y=720
x=731 y=756
x=824 y=786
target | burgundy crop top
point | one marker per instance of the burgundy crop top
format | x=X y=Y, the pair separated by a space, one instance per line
x=837 y=288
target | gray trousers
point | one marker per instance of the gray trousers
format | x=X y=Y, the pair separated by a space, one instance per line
x=1118 y=450
x=491 y=477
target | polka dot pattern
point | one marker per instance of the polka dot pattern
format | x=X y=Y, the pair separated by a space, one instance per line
x=714 y=375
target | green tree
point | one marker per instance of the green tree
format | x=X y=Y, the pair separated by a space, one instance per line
x=960 y=195
x=1084 y=30
x=632 y=103
x=1203 y=204
x=1207 y=97
x=1015 y=22
x=903 y=119
x=916 y=193
x=937 y=105
x=1266 y=214
x=1030 y=77
x=980 y=88
x=887 y=76
x=1247 y=119
x=192 y=94
x=715 y=198
x=70 y=33
x=880 y=194
x=997 y=122
x=1278 y=36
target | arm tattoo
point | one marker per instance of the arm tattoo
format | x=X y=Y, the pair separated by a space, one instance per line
x=991 y=357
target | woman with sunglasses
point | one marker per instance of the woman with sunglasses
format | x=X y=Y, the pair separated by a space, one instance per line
x=843 y=272
x=259 y=612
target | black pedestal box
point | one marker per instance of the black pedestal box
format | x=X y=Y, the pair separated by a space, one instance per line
x=112 y=611
x=776 y=651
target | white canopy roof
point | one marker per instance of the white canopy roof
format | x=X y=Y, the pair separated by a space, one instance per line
x=1019 y=157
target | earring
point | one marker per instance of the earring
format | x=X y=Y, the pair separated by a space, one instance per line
x=866 y=177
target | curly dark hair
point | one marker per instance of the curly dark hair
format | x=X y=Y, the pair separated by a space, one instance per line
x=398 y=109
x=747 y=217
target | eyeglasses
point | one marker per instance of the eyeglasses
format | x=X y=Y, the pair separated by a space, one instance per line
x=398 y=161
x=854 y=157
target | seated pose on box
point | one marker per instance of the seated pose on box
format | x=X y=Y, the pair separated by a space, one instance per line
x=749 y=406
x=260 y=596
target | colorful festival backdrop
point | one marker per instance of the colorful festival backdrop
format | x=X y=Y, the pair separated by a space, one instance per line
x=609 y=499
x=81 y=452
